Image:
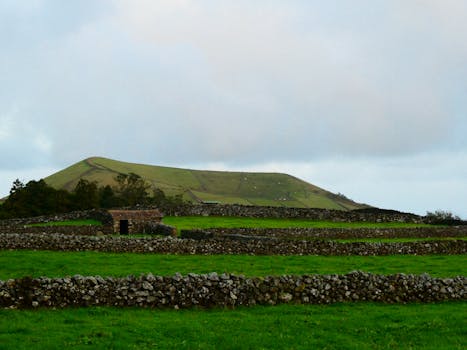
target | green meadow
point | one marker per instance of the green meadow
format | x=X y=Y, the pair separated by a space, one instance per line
x=337 y=326
x=203 y=222
x=58 y=264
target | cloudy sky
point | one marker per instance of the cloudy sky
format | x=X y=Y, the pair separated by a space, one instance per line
x=363 y=97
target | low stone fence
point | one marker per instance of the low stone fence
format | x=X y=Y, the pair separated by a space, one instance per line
x=84 y=230
x=96 y=214
x=213 y=290
x=332 y=233
x=362 y=215
x=87 y=230
x=249 y=245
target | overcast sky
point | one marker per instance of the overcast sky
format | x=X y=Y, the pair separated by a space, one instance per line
x=363 y=97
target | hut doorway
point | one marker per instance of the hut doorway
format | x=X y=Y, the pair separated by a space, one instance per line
x=124 y=226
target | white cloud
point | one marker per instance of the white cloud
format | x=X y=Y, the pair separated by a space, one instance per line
x=361 y=89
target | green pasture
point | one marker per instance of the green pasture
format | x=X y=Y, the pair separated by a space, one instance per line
x=17 y=264
x=337 y=326
x=203 y=222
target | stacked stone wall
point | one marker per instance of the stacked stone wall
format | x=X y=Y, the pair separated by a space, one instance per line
x=227 y=290
x=375 y=215
x=331 y=233
x=96 y=214
x=84 y=230
x=245 y=245
x=88 y=230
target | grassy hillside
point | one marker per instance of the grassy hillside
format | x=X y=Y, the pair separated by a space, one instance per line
x=196 y=185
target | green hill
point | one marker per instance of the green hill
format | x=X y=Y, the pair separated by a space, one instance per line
x=271 y=189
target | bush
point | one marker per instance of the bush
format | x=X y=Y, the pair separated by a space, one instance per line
x=442 y=217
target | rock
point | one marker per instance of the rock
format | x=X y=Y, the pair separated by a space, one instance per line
x=286 y=297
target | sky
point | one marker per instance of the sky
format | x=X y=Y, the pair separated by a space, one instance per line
x=363 y=97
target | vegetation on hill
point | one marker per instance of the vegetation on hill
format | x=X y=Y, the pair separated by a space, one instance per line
x=202 y=186
x=38 y=198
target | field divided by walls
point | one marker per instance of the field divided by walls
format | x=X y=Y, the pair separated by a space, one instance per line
x=341 y=325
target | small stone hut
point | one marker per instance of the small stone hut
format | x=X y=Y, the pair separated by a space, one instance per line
x=127 y=222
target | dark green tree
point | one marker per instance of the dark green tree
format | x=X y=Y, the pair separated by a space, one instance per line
x=132 y=189
x=86 y=195
x=36 y=198
x=107 y=197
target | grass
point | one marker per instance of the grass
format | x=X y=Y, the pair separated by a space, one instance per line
x=68 y=223
x=17 y=264
x=204 y=222
x=338 y=326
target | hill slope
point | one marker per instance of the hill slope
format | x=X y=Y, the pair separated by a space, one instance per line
x=196 y=185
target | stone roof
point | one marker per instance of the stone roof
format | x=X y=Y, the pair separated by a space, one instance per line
x=148 y=214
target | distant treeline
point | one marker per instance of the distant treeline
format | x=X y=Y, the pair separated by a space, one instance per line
x=37 y=198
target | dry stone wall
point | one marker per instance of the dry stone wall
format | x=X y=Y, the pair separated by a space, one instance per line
x=365 y=215
x=85 y=230
x=331 y=233
x=151 y=227
x=88 y=230
x=246 y=245
x=227 y=290
x=96 y=214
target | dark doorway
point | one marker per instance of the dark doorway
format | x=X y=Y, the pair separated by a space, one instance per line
x=124 y=227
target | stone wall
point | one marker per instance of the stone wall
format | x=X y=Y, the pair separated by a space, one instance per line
x=331 y=233
x=213 y=290
x=361 y=215
x=246 y=245
x=88 y=230
x=364 y=215
x=96 y=214
x=143 y=222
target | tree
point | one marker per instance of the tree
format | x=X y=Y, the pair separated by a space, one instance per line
x=86 y=195
x=36 y=198
x=107 y=197
x=132 y=189
x=16 y=187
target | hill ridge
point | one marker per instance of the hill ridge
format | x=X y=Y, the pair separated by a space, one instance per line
x=228 y=187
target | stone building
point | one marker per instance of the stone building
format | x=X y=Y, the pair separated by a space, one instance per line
x=127 y=222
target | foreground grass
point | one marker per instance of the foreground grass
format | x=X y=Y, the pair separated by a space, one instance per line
x=15 y=264
x=338 y=326
x=201 y=222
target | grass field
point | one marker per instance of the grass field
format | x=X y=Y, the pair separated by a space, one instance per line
x=58 y=264
x=338 y=326
x=202 y=222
